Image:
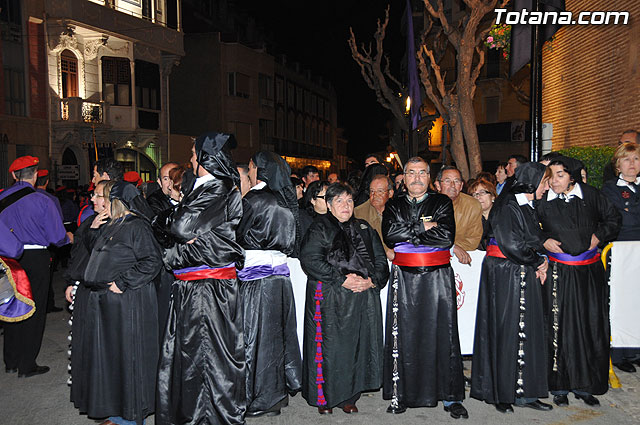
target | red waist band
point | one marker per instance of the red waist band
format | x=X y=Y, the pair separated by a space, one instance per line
x=588 y=261
x=494 y=251
x=422 y=259
x=223 y=273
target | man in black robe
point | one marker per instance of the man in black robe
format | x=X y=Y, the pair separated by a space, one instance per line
x=269 y=232
x=159 y=200
x=509 y=353
x=201 y=377
x=422 y=362
x=576 y=218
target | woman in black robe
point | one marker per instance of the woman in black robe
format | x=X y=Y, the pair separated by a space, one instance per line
x=201 y=377
x=509 y=353
x=346 y=267
x=120 y=341
x=576 y=218
x=269 y=232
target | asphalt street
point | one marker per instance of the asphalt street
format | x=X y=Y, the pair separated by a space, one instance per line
x=45 y=398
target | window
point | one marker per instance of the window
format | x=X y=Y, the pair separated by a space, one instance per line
x=291 y=126
x=266 y=132
x=147 y=85
x=491 y=108
x=239 y=85
x=279 y=130
x=493 y=63
x=14 y=97
x=279 y=90
x=291 y=96
x=299 y=106
x=69 y=73
x=116 y=81
x=265 y=83
x=242 y=131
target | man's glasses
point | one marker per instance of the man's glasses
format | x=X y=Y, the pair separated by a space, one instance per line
x=449 y=182
x=413 y=173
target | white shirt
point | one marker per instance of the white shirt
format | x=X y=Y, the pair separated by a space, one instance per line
x=623 y=182
x=259 y=186
x=202 y=180
x=576 y=191
x=522 y=200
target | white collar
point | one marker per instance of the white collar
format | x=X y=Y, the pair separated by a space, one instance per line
x=576 y=191
x=173 y=202
x=202 y=180
x=522 y=200
x=623 y=182
x=259 y=186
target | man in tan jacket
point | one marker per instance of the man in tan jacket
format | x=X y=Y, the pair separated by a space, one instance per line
x=380 y=191
x=467 y=212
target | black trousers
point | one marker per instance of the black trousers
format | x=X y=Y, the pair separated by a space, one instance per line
x=22 y=340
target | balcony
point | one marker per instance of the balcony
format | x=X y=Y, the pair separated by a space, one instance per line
x=76 y=109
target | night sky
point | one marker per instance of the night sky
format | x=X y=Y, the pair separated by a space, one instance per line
x=315 y=34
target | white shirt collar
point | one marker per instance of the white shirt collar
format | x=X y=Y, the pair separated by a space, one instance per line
x=576 y=191
x=622 y=182
x=202 y=180
x=522 y=200
x=259 y=186
x=173 y=202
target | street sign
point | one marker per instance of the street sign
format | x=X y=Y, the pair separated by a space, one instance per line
x=68 y=172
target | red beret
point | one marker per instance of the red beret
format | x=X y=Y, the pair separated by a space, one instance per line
x=43 y=173
x=23 y=162
x=132 y=177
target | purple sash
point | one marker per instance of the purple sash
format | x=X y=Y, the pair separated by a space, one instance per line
x=263 y=270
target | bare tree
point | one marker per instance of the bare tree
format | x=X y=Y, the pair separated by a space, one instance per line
x=374 y=66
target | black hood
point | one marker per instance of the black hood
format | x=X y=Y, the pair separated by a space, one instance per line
x=213 y=151
x=573 y=165
x=131 y=197
x=528 y=177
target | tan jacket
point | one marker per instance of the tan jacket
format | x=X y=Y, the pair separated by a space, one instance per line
x=468 y=216
x=368 y=213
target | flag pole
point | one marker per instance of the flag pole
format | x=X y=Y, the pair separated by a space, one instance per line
x=535 y=109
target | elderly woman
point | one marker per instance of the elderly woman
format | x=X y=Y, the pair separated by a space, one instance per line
x=624 y=194
x=313 y=204
x=346 y=268
x=120 y=340
x=485 y=192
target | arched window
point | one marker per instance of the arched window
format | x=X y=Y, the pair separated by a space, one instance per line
x=69 y=71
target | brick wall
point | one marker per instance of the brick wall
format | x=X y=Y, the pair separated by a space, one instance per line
x=591 y=78
x=37 y=73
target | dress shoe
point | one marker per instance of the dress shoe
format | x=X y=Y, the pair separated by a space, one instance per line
x=258 y=413
x=457 y=410
x=561 y=400
x=588 y=399
x=504 y=408
x=537 y=405
x=54 y=309
x=625 y=366
x=325 y=410
x=38 y=370
x=11 y=369
x=636 y=361
x=349 y=408
x=397 y=410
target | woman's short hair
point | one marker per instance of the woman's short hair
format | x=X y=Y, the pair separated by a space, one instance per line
x=337 y=189
x=623 y=150
x=312 y=192
x=486 y=184
x=175 y=174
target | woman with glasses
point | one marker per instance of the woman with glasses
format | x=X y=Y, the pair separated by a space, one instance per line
x=313 y=204
x=484 y=191
x=346 y=267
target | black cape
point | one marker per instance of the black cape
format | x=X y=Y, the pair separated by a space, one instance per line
x=117 y=372
x=429 y=360
x=350 y=339
x=158 y=201
x=581 y=361
x=274 y=366
x=201 y=377
x=497 y=366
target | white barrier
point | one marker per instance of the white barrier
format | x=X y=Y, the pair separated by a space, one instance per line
x=625 y=294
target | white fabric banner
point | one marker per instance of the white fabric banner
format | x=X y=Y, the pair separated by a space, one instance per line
x=467 y=282
x=625 y=294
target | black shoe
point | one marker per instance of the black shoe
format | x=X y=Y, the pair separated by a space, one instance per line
x=504 y=408
x=397 y=410
x=259 y=413
x=457 y=410
x=39 y=370
x=561 y=400
x=11 y=369
x=625 y=366
x=54 y=309
x=588 y=399
x=537 y=405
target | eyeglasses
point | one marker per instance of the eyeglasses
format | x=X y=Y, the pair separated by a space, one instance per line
x=480 y=193
x=380 y=191
x=413 y=173
x=320 y=196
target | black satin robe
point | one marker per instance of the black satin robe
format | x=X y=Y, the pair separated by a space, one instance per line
x=273 y=362
x=429 y=362
x=582 y=295
x=496 y=341
x=201 y=377
x=117 y=375
x=351 y=322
